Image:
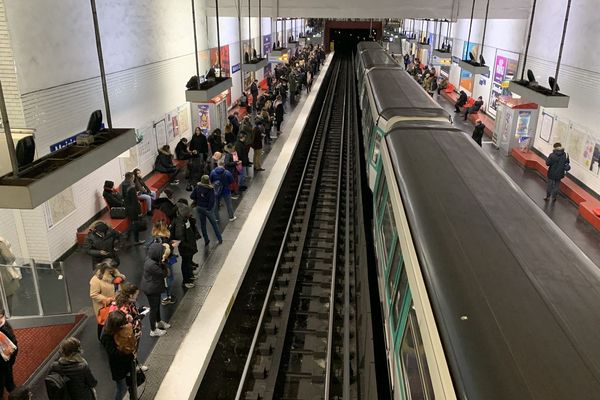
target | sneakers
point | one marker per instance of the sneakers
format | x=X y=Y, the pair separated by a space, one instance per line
x=139 y=242
x=233 y=219
x=143 y=368
x=162 y=325
x=174 y=182
x=157 y=332
x=168 y=300
x=189 y=285
x=235 y=197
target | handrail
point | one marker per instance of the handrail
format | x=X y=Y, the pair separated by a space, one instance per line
x=279 y=256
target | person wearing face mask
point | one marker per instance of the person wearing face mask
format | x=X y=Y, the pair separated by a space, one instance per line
x=6 y=366
x=101 y=243
x=102 y=288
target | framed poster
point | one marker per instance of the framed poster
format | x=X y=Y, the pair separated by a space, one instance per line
x=546 y=127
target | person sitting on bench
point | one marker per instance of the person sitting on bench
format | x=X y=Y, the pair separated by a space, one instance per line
x=462 y=100
x=475 y=108
x=164 y=162
x=112 y=197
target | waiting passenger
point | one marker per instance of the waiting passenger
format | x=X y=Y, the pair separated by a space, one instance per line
x=462 y=100
x=558 y=164
x=205 y=198
x=111 y=196
x=164 y=162
x=215 y=141
x=121 y=361
x=134 y=212
x=475 y=108
x=101 y=243
x=81 y=382
x=143 y=192
x=184 y=230
x=199 y=144
x=279 y=111
x=442 y=85
x=478 y=132
x=242 y=153
x=181 y=150
x=6 y=366
x=153 y=284
x=102 y=289
x=221 y=180
x=162 y=234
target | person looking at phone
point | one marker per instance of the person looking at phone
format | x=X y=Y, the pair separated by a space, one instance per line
x=125 y=301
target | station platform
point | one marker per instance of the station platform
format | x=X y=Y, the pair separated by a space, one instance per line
x=563 y=212
x=189 y=313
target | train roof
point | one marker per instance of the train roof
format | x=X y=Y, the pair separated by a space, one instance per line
x=397 y=94
x=487 y=252
x=368 y=45
x=377 y=58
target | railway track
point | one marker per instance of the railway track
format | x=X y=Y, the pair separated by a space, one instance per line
x=301 y=345
x=292 y=329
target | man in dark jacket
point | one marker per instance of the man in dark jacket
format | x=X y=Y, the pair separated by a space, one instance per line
x=101 y=242
x=73 y=366
x=475 y=108
x=199 y=144
x=153 y=284
x=181 y=150
x=254 y=93
x=462 y=100
x=111 y=196
x=204 y=196
x=221 y=179
x=242 y=153
x=184 y=230
x=235 y=122
x=558 y=164
x=478 y=132
x=134 y=213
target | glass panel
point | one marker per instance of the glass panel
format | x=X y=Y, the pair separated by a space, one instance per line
x=413 y=386
x=426 y=378
x=53 y=292
x=18 y=290
x=379 y=194
x=399 y=295
x=376 y=149
x=387 y=227
x=395 y=267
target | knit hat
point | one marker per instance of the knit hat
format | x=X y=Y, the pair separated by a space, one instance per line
x=205 y=180
x=217 y=155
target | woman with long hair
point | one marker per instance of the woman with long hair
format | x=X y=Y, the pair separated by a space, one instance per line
x=162 y=234
x=102 y=288
x=118 y=340
x=72 y=365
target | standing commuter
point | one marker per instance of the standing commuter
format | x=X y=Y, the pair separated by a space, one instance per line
x=242 y=153
x=134 y=212
x=120 y=359
x=221 y=180
x=478 y=132
x=254 y=93
x=558 y=164
x=257 y=145
x=204 y=196
x=71 y=364
x=153 y=285
x=184 y=230
x=102 y=289
x=279 y=111
x=199 y=144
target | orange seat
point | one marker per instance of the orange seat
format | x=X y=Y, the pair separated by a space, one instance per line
x=450 y=88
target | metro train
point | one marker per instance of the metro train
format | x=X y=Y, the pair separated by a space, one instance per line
x=482 y=295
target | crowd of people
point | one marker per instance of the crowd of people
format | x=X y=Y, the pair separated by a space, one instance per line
x=216 y=171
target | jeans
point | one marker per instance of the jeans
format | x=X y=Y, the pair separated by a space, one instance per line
x=147 y=198
x=552 y=188
x=203 y=214
x=154 y=302
x=169 y=281
x=242 y=177
x=227 y=199
x=186 y=268
x=122 y=388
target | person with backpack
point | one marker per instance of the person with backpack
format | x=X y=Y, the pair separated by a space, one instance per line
x=21 y=393
x=184 y=230
x=221 y=179
x=117 y=333
x=6 y=366
x=73 y=378
x=558 y=164
x=204 y=196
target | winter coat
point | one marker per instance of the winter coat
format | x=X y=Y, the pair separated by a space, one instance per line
x=200 y=144
x=81 y=379
x=196 y=167
x=204 y=196
x=181 y=151
x=240 y=148
x=94 y=244
x=230 y=137
x=132 y=205
x=558 y=164
x=140 y=185
x=257 y=143
x=279 y=111
x=236 y=125
x=462 y=99
x=153 y=277
x=224 y=176
x=164 y=162
x=216 y=143
x=230 y=163
x=254 y=89
x=120 y=363
x=478 y=133
x=102 y=289
x=112 y=198
x=8 y=331
x=184 y=229
x=166 y=206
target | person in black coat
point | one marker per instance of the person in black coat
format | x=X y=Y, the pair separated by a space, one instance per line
x=181 y=150
x=134 y=213
x=101 y=243
x=279 y=111
x=478 y=132
x=153 y=284
x=121 y=364
x=72 y=365
x=111 y=196
x=184 y=229
x=165 y=203
x=254 y=93
x=216 y=141
x=242 y=153
x=6 y=367
x=462 y=100
x=199 y=144
x=235 y=122
x=475 y=108
x=164 y=161
x=558 y=164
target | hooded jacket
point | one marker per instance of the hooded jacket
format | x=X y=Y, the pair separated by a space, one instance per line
x=164 y=162
x=240 y=148
x=558 y=164
x=204 y=196
x=199 y=143
x=184 y=229
x=81 y=379
x=111 y=196
x=94 y=243
x=224 y=176
x=153 y=277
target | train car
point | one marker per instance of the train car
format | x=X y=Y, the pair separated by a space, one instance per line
x=371 y=58
x=362 y=47
x=390 y=96
x=482 y=295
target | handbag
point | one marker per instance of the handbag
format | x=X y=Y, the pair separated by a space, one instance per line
x=140 y=377
x=102 y=315
x=118 y=213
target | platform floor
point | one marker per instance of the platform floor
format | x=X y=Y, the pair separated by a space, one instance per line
x=563 y=212
x=78 y=271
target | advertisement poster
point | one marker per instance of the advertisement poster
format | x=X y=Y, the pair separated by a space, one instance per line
x=466 y=78
x=523 y=123
x=204 y=118
x=267 y=43
x=505 y=68
x=225 y=62
x=182 y=115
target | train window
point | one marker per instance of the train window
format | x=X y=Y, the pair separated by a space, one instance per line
x=399 y=295
x=395 y=266
x=376 y=146
x=379 y=194
x=417 y=382
x=388 y=228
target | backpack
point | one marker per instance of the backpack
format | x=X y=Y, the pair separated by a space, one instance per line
x=218 y=187
x=56 y=386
